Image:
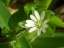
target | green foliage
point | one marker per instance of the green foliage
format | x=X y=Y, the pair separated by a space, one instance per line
x=11 y=29
x=45 y=41
x=49 y=31
x=28 y=8
x=24 y=42
x=6 y=2
x=17 y=17
x=4 y=16
x=46 y=3
x=55 y=20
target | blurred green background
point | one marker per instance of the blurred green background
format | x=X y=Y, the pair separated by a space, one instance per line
x=45 y=41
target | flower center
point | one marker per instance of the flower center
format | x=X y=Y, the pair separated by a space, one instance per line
x=39 y=24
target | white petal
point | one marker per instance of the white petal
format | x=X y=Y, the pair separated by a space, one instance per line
x=42 y=15
x=29 y=22
x=46 y=21
x=29 y=25
x=32 y=29
x=45 y=26
x=39 y=32
x=43 y=30
x=33 y=18
x=37 y=15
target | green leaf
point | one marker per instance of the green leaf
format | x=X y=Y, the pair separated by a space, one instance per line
x=15 y=42
x=21 y=42
x=56 y=21
x=6 y=2
x=48 y=13
x=24 y=42
x=45 y=41
x=49 y=31
x=27 y=8
x=4 y=16
x=17 y=17
x=52 y=26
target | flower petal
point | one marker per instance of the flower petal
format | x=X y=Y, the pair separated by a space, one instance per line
x=29 y=22
x=46 y=21
x=45 y=26
x=32 y=29
x=37 y=15
x=29 y=25
x=33 y=18
x=42 y=15
x=39 y=32
x=43 y=30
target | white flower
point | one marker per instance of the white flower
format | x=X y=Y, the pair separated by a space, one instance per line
x=37 y=22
